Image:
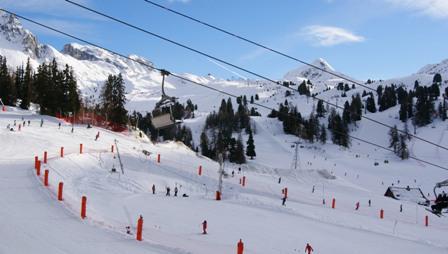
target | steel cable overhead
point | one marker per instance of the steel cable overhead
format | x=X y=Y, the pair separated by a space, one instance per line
x=195 y=82
x=243 y=69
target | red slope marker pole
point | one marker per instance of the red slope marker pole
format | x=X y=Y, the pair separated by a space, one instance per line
x=46 y=172
x=61 y=186
x=83 y=207
x=139 y=228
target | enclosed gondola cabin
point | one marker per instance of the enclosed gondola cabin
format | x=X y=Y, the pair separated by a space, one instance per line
x=162 y=113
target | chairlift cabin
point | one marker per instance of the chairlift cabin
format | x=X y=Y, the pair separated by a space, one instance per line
x=162 y=115
x=441 y=201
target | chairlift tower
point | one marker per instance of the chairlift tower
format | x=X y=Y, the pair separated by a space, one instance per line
x=221 y=172
x=119 y=158
x=296 y=154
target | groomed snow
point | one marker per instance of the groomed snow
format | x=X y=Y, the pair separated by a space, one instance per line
x=31 y=215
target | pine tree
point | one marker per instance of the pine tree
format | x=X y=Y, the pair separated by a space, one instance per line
x=403 y=113
x=339 y=130
x=27 y=91
x=250 y=149
x=346 y=113
x=239 y=151
x=406 y=131
x=6 y=83
x=424 y=107
x=320 y=109
x=71 y=94
x=113 y=99
x=356 y=108
x=394 y=139
x=442 y=111
x=403 y=151
x=204 y=143
x=19 y=82
x=323 y=134
x=303 y=89
x=437 y=79
x=370 y=104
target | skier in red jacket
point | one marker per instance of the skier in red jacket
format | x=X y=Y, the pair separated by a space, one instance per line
x=308 y=248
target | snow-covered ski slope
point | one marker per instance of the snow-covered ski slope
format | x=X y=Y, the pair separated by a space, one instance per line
x=33 y=221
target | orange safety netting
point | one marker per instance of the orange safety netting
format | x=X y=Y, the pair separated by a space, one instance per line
x=92 y=119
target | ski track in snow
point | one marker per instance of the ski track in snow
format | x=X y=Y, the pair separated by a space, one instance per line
x=253 y=213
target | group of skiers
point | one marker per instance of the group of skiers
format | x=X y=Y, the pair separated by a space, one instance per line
x=24 y=123
x=168 y=191
x=19 y=126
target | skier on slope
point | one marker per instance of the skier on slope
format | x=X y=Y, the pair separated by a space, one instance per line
x=175 y=191
x=168 y=190
x=153 y=189
x=308 y=248
x=204 y=227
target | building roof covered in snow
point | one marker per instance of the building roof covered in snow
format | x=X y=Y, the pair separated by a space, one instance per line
x=407 y=194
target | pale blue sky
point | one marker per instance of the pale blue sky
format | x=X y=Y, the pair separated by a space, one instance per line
x=362 y=38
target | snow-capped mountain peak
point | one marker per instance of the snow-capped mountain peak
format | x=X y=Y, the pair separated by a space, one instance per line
x=14 y=36
x=320 y=78
x=432 y=69
x=323 y=64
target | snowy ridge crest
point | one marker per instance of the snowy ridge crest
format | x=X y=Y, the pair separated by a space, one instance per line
x=12 y=30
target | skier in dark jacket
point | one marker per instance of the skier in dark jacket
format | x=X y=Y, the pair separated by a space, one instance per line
x=204 y=227
x=168 y=190
x=175 y=191
x=153 y=189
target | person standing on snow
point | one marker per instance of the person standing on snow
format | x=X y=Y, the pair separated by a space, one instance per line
x=357 y=206
x=41 y=122
x=175 y=191
x=153 y=189
x=204 y=227
x=168 y=191
x=308 y=248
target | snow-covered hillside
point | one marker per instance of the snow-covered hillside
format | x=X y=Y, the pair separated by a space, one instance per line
x=31 y=215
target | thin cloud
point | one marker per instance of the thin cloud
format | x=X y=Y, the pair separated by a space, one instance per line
x=432 y=8
x=327 y=36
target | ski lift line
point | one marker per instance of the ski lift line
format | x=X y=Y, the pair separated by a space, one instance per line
x=240 y=68
x=168 y=40
x=205 y=86
x=255 y=43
